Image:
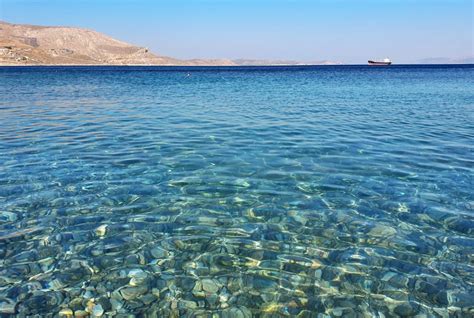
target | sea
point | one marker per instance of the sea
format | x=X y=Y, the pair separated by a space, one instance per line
x=237 y=192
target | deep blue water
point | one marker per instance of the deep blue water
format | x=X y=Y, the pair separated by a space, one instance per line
x=253 y=191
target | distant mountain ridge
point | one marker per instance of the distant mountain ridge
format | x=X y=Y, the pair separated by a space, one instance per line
x=447 y=60
x=253 y=62
x=22 y=44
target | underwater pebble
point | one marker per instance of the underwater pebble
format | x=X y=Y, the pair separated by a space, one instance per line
x=405 y=309
x=236 y=312
x=129 y=293
x=147 y=299
x=81 y=314
x=116 y=304
x=7 y=307
x=8 y=217
x=187 y=304
x=382 y=231
x=210 y=286
x=66 y=312
x=137 y=277
x=101 y=230
x=97 y=311
x=158 y=252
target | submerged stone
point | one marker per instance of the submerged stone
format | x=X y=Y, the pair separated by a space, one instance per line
x=8 y=217
x=81 y=314
x=129 y=293
x=101 y=230
x=7 y=306
x=405 y=310
x=236 y=312
x=210 y=286
x=66 y=312
x=97 y=311
x=382 y=231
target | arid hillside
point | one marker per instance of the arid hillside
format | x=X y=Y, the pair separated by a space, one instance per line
x=38 y=45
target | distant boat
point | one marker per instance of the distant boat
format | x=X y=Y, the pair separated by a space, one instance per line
x=381 y=63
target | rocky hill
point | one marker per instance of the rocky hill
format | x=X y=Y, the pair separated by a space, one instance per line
x=22 y=44
x=38 y=45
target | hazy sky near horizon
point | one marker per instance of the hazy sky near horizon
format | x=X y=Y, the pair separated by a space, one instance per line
x=348 y=31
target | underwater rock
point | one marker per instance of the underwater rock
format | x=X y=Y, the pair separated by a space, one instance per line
x=43 y=302
x=8 y=217
x=236 y=312
x=405 y=310
x=137 y=277
x=235 y=284
x=187 y=304
x=197 y=290
x=97 y=311
x=210 y=286
x=187 y=283
x=7 y=306
x=462 y=225
x=130 y=293
x=460 y=299
x=104 y=302
x=66 y=312
x=116 y=304
x=260 y=283
x=101 y=230
x=81 y=314
x=159 y=253
x=382 y=231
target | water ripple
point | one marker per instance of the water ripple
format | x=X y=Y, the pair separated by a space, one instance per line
x=344 y=191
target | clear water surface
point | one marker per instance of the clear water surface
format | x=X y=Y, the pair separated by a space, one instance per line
x=237 y=192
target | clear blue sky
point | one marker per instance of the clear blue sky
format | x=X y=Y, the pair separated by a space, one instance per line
x=349 y=31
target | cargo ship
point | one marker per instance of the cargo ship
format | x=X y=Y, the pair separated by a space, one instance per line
x=380 y=63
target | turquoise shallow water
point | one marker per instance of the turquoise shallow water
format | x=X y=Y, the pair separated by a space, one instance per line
x=237 y=192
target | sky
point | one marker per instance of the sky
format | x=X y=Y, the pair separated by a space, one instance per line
x=348 y=31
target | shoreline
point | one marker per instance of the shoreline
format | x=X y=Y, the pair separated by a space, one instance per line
x=173 y=65
x=228 y=66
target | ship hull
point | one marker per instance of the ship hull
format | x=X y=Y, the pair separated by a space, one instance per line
x=375 y=63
